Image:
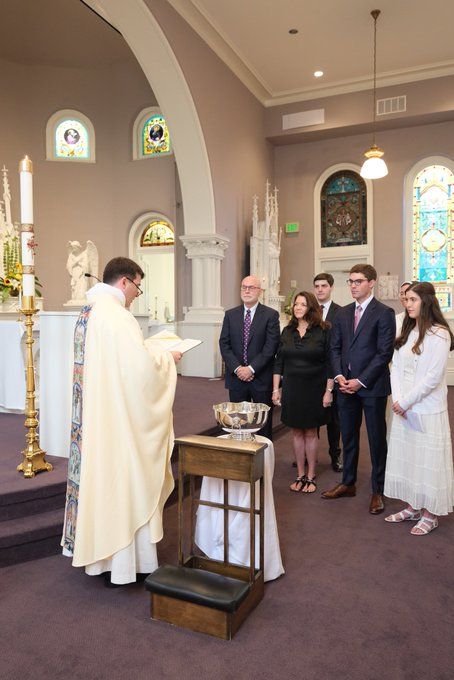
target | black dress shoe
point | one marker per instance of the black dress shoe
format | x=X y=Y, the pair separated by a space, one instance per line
x=336 y=463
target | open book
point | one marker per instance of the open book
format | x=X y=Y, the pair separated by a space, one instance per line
x=171 y=341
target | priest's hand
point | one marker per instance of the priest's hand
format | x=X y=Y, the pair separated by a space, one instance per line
x=176 y=356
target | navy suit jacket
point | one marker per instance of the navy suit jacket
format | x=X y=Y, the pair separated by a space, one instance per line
x=332 y=312
x=262 y=346
x=368 y=351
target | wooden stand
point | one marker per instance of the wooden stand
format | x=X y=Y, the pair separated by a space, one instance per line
x=202 y=594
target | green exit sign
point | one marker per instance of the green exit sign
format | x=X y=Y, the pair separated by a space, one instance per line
x=292 y=227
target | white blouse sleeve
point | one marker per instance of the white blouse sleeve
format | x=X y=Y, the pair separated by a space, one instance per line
x=435 y=358
x=396 y=394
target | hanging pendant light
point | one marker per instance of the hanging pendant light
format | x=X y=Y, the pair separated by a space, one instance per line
x=374 y=166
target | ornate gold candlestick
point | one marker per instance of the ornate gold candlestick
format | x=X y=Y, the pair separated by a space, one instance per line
x=33 y=455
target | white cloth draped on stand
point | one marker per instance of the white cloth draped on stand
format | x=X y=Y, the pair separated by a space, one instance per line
x=12 y=367
x=209 y=534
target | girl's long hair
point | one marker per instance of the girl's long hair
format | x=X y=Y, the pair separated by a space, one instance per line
x=313 y=314
x=430 y=315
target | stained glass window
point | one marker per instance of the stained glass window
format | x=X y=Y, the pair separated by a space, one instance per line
x=155 y=136
x=157 y=233
x=433 y=210
x=343 y=210
x=433 y=222
x=71 y=140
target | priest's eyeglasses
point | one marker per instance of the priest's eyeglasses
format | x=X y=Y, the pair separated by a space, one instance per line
x=139 y=289
x=246 y=288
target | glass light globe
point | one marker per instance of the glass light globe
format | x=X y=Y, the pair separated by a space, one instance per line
x=374 y=167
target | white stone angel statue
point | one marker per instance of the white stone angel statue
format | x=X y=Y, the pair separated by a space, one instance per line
x=81 y=261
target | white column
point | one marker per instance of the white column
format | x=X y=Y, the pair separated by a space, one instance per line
x=204 y=318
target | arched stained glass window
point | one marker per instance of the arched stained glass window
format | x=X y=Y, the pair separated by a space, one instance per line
x=157 y=233
x=155 y=136
x=70 y=136
x=433 y=220
x=343 y=210
x=71 y=140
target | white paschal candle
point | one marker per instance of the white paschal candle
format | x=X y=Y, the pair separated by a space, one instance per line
x=26 y=216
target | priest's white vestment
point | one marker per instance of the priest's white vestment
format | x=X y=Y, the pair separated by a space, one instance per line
x=119 y=473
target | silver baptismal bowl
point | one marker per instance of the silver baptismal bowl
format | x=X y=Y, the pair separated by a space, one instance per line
x=242 y=419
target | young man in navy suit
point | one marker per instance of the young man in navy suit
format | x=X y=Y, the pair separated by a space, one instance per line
x=362 y=344
x=248 y=342
x=323 y=286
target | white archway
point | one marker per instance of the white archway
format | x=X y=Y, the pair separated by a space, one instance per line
x=338 y=260
x=152 y=50
x=204 y=247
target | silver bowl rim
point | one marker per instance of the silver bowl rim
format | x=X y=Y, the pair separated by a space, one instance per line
x=238 y=407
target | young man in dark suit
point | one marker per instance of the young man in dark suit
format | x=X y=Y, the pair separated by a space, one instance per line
x=362 y=344
x=248 y=342
x=323 y=286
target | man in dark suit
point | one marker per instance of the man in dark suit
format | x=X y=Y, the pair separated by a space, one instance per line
x=323 y=286
x=361 y=348
x=248 y=343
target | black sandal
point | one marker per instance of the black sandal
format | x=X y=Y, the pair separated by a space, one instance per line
x=308 y=483
x=299 y=480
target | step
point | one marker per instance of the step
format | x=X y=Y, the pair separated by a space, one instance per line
x=29 y=538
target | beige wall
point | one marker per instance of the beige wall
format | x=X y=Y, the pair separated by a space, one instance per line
x=232 y=121
x=299 y=166
x=428 y=101
x=80 y=201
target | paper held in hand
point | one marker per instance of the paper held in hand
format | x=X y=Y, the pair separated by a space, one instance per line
x=173 y=342
x=414 y=421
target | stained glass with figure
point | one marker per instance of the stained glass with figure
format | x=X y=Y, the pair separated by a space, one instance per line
x=433 y=211
x=157 y=233
x=344 y=210
x=155 y=136
x=72 y=140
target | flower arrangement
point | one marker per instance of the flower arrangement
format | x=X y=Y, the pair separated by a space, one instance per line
x=289 y=301
x=11 y=282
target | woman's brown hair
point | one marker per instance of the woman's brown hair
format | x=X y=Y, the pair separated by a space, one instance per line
x=313 y=314
x=430 y=315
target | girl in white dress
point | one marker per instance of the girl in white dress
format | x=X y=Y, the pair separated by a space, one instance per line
x=419 y=467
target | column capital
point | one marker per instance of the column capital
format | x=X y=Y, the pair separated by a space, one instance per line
x=205 y=245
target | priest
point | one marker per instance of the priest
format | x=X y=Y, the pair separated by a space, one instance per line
x=119 y=473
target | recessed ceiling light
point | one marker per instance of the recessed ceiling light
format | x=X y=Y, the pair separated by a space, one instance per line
x=318 y=74
x=293 y=31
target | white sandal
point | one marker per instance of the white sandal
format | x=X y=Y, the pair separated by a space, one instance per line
x=425 y=526
x=403 y=515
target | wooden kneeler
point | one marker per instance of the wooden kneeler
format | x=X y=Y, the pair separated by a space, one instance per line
x=202 y=594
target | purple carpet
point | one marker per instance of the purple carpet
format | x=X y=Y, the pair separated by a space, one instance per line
x=361 y=600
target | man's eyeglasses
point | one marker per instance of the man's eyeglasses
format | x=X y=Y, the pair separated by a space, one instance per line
x=139 y=289
x=355 y=282
x=246 y=288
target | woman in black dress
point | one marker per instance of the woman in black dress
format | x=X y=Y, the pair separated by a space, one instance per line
x=302 y=361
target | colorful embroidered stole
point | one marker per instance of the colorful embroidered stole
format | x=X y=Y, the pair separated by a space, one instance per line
x=72 y=490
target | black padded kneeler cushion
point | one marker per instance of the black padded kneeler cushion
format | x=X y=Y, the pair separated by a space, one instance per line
x=198 y=586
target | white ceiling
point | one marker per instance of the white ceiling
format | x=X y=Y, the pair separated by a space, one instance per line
x=414 y=42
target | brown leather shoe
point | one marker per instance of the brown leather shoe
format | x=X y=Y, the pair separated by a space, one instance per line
x=340 y=490
x=377 y=504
